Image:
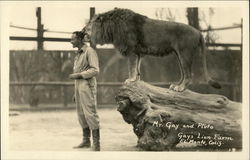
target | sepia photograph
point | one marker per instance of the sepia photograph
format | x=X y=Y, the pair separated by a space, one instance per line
x=124 y=80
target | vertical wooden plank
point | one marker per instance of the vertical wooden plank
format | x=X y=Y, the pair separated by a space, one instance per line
x=40 y=29
x=92 y=12
x=193 y=17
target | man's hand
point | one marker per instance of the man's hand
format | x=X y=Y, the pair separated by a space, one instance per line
x=75 y=76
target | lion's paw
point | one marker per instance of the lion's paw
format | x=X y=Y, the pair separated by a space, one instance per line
x=127 y=81
x=172 y=86
x=177 y=88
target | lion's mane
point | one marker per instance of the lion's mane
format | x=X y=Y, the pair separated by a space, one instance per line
x=121 y=27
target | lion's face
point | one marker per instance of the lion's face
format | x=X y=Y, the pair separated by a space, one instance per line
x=88 y=28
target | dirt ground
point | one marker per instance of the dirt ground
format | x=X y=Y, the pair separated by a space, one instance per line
x=60 y=131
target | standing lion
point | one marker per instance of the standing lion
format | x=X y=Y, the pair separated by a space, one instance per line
x=135 y=35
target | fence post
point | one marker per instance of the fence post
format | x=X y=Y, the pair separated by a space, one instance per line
x=241 y=32
x=40 y=29
x=92 y=12
x=193 y=17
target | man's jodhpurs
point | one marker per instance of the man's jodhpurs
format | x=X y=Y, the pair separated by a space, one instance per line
x=85 y=97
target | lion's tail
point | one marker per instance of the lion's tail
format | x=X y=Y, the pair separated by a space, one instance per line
x=210 y=81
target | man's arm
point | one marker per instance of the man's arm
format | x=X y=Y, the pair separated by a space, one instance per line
x=75 y=76
x=93 y=65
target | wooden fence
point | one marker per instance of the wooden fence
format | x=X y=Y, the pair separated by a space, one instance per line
x=42 y=76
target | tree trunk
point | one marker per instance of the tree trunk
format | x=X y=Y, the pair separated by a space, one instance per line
x=164 y=119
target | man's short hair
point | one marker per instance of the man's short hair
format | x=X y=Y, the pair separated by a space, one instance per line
x=79 y=34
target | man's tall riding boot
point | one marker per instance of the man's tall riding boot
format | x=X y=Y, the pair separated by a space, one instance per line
x=86 y=139
x=96 y=140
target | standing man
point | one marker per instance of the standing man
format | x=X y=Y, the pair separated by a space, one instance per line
x=86 y=68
